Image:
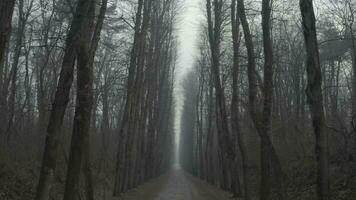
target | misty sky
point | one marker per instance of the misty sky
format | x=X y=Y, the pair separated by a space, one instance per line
x=188 y=31
x=188 y=28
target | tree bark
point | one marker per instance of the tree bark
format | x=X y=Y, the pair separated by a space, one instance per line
x=262 y=125
x=80 y=145
x=21 y=24
x=124 y=155
x=235 y=124
x=353 y=57
x=6 y=12
x=269 y=152
x=228 y=155
x=60 y=101
x=315 y=98
x=81 y=126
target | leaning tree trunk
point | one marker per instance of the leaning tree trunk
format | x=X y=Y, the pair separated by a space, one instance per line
x=80 y=149
x=60 y=101
x=263 y=126
x=315 y=98
x=235 y=124
x=80 y=133
x=251 y=72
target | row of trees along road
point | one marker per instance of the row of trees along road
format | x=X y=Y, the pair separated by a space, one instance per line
x=247 y=124
x=83 y=84
x=87 y=107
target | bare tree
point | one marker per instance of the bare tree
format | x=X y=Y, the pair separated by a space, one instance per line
x=78 y=28
x=262 y=124
x=6 y=12
x=79 y=150
x=235 y=110
x=21 y=25
x=315 y=98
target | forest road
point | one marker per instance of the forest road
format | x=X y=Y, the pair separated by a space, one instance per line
x=176 y=185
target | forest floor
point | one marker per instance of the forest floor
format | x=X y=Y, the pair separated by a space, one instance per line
x=176 y=185
x=18 y=182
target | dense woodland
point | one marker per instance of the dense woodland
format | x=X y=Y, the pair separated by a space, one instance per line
x=271 y=100
x=88 y=98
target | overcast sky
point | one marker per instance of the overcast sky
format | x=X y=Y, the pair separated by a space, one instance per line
x=188 y=30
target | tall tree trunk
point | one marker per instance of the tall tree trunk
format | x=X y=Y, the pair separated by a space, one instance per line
x=315 y=98
x=14 y=70
x=263 y=126
x=251 y=72
x=6 y=12
x=199 y=114
x=61 y=100
x=209 y=135
x=235 y=124
x=353 y=97
x=80 y=145
x=41 y=72
x=126 y=123
x=228 y=155
x=80 y=133
x=269 y=152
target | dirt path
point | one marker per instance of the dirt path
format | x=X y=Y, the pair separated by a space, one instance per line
x=176 y=185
